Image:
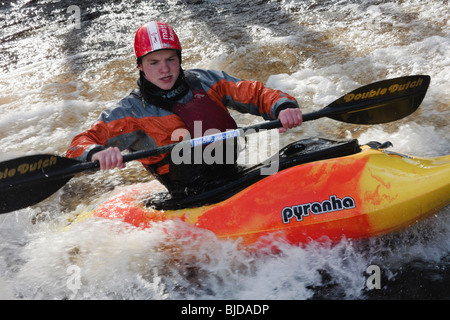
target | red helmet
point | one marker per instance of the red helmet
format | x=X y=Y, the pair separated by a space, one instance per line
x=153 y=36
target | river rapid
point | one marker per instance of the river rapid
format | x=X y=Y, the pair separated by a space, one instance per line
x=62 y=63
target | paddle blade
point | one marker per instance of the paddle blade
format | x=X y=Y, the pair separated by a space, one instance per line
x=380 y=102
x=28 y=180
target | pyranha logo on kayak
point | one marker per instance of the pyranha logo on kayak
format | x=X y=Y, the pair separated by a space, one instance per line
x=303 y=210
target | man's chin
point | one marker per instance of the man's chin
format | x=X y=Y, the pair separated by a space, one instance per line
x=165 y=86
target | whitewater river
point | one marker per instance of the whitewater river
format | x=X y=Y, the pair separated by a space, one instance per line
x=62 y=63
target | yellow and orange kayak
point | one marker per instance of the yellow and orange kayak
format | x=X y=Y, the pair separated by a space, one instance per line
x=368 y=192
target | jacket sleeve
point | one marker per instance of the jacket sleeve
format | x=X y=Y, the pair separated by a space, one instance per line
x=85 y=144
x=127 y=126
x=244 y=96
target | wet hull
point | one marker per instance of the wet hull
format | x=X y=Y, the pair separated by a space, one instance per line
x=361 y=195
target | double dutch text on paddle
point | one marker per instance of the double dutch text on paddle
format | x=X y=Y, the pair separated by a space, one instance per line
x=26 y=167
x=373 y=93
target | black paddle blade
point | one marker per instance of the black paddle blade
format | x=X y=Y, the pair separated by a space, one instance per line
x=28 y=180
x=380 y=102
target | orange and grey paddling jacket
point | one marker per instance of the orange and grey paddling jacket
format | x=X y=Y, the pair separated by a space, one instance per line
x=142 y=121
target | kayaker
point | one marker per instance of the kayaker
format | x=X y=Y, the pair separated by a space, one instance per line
x=170 y=104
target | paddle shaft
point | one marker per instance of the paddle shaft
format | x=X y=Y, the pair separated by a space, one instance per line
x=334 y=110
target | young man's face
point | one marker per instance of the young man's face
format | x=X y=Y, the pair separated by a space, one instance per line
x=161 y=68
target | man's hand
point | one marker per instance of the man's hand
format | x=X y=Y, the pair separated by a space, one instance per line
x=109 y=159
x=290 y=118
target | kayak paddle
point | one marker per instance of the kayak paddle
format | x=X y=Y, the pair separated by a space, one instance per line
x=28 y=180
